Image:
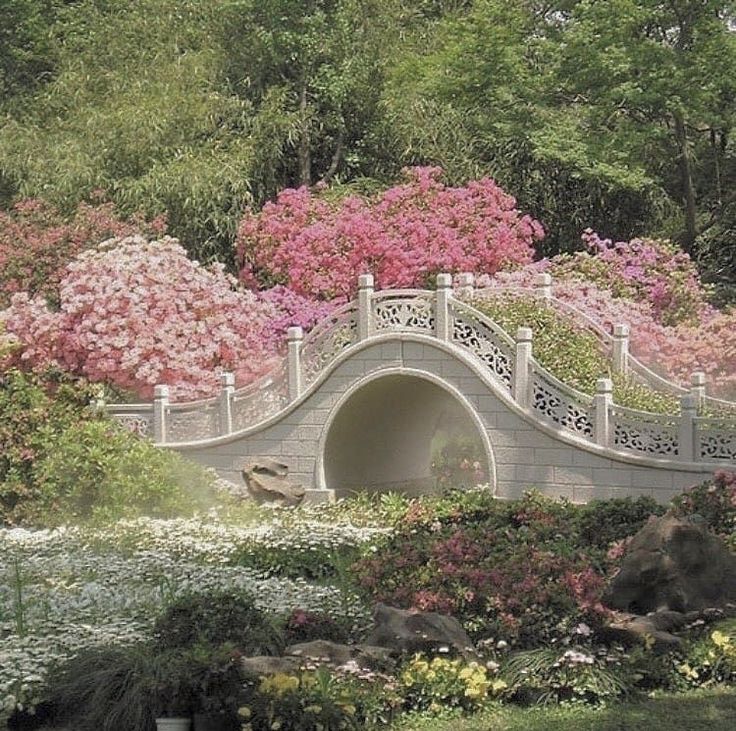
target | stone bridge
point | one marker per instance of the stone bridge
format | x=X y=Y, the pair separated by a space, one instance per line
x=360 y=401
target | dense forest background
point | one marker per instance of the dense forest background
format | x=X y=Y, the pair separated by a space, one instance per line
x=611 y=114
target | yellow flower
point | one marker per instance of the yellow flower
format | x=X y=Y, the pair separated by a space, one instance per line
x=244 y=712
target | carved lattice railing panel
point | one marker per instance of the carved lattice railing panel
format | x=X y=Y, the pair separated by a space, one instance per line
x=715 y=439
x=251 y=406
x=554 y=401
x=327 y=340
x=192 y=421
x=655 y=435
x=407 y=310
x=136 y=418
x=483 y=338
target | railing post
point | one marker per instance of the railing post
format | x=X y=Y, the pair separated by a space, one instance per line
x=697 y=387
x=620 y=348
x=602 y=402
x=686 y=436
x=466 y=284
x=365 y=312
x=160 y=407
x=295 y=335
x=227 y=389
x=442 y=307
x=522 y=366
x=543 y=285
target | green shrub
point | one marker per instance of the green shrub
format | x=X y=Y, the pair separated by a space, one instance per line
x=603 y=522
x=216 y=618
x=553 y=675
x=715 y=501
x=35 y=411
x=98 y=470
x=125 y=688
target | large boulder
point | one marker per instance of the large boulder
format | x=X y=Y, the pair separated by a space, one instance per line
x=405 y=630
x=673 y=564
x=267 y=481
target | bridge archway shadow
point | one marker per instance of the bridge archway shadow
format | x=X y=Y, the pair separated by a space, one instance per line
x=383 y=434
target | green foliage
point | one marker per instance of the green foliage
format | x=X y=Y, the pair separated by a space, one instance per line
x=125 y=688
x=714 y=501
x=603 y=522
x=35 y=413
x=554 y=675
x=216 y=618
x=571 y=354
x=712 y=660
x=318 y=700
x=99 y=471
x=62 y=461
x=459 y=463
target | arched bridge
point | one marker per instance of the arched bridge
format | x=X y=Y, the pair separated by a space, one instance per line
x=360 y=400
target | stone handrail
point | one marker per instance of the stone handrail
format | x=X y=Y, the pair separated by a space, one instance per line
x=508 y=361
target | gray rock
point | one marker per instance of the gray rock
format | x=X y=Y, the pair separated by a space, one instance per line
x=268 y=665
x=413 y=631
x=266 y=481
x=334 y=654
x=673 y=564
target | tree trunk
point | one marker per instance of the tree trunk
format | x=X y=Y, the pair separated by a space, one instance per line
x=686 y=175
x=305 y=142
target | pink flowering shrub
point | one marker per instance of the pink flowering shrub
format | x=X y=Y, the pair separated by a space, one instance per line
x=403 y=237
x=654 y=289
x=134 y=314
x=294 y=309
x=36 y=242
x=643 y=270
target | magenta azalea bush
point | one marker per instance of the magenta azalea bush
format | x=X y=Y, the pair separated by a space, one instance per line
x=134 y=314
x=403 y=237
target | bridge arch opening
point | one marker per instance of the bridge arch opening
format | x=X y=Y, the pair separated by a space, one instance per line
x=406 y=433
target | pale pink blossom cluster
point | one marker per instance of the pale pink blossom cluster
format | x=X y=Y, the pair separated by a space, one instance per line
x=404 y=236
x=135 y=314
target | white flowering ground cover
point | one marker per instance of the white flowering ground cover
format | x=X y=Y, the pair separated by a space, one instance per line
x=71 y=588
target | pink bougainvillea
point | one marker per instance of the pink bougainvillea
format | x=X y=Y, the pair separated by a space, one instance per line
x=36 y=242
x=134 y=314
x=403 y=237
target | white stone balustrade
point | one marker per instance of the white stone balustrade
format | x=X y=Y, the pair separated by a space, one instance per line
x=160 y=413
x=602 y=403
x=543 y=285
x=621 y=335
x=522 y=367
x=378 y=316
x=365 y=306
x=227 y=390
x=295 y=336
x=442 y=324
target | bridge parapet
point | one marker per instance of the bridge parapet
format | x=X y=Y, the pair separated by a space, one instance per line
x=507 y=363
